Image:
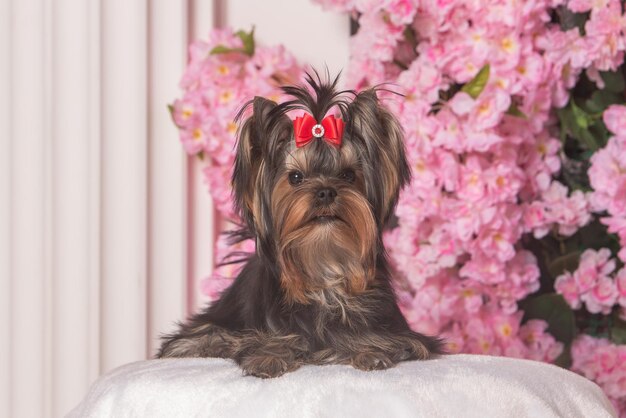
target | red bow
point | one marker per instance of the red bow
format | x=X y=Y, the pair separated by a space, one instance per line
x=306 y=128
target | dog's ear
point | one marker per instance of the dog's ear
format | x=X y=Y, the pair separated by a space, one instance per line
x=249 y=157
x=381 y=139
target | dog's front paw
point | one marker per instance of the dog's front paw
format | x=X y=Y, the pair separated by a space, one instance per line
x=371 y=361
x=266 y=366
x=416 y=347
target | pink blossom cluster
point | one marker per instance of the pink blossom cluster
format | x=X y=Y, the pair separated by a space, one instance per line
x=591 y=283
x=604 y=363
x=607 y=175
x=216 y=86
x=484 y=164
x=601 y=48
x=483 y=172
x=485 y=329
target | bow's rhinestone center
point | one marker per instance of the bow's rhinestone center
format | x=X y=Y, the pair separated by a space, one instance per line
x=318 y=131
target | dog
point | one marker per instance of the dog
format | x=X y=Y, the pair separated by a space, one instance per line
x=316 y=193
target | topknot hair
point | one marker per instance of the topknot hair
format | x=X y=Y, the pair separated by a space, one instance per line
x=316 y=96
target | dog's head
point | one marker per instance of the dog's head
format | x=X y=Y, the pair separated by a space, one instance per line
x=317 y=191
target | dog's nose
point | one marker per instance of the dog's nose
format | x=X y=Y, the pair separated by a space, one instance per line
x=326 y=196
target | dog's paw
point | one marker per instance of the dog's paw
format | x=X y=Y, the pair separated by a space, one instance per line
x=413 y=348
x=371 y=361
x=266 y=366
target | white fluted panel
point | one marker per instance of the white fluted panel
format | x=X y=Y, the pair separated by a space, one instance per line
x=203 y=17
x=95 y=191
x=202 y=234
x=73 y=176
x=124 y=182
x=5 y=207
x=28 y=204
x=168 y=172
x=322 y=40
x=202 y=211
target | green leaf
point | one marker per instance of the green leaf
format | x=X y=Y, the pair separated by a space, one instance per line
x=553 y=309
x=613 y=81
x=618 y=335
x=476 y=85
x=576 y=122
x=247 y=38
x=201 y=155
x=595 y=235
x=589 y=140
x=586 y=155
x=600 y=100
x=565 y=359
x=600 y=133
x=618 y=329
x=170 y=108
x=582 y=119
x=410 y=36
x=514 y=111
x=568 y=262
x=568 y=122
x=221 y=49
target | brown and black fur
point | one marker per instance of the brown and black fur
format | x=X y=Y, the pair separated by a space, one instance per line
x=318 y=289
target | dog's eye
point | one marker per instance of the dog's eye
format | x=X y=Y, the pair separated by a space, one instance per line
x=348 y=176
x=295 y=178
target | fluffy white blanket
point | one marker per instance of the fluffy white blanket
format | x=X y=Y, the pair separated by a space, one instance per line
x=451 y=386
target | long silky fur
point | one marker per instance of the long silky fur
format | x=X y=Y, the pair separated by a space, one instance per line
x=314 y=292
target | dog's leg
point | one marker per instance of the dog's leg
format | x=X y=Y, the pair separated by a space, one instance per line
x=269 y=355
x=204 y=341
x=376 y=350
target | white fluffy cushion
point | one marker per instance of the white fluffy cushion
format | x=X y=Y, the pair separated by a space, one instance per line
x=451 y=386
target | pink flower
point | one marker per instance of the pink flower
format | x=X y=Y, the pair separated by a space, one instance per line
x=590 y=283
x=488 y=110
x=535 y=220
x=505 y=326
x=483 y=269
x=569 y=213
x=481 y=336
x=607 y=176
x=580 y=6
x=615 y=119
x=541 y=345
x=377 y=37
x=602 y=297
x=195 y=138
x=620 y=281
x=522 y=279
x=566 y=286
x=454 y=341
x=337 y=5
x=462 y=103
x=603 y=362
x=593 y=265
x=617 y=225
x=401 y=12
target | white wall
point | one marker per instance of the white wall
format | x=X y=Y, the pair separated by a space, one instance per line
x=106 y=227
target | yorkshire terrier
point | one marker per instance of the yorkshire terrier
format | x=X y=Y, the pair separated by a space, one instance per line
x=316 y=193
